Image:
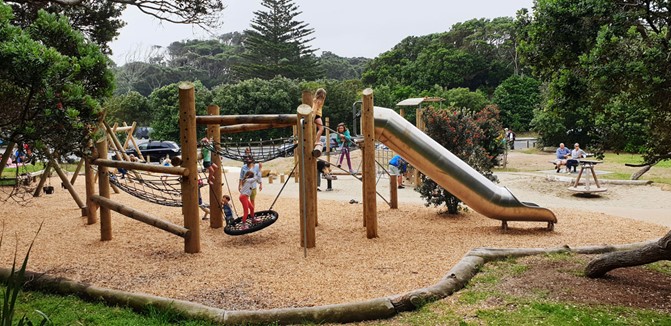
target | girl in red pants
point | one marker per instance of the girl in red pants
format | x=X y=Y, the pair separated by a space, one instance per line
x=248 y=184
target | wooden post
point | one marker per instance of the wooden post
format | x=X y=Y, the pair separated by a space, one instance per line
x=5 y=156
x=328 y=140
x=393 y=192
x=311 y=161
x=306 y=187
x=296 y=153
x=282 y=178
x=401 y=112
x=368 y=175
x=189 y=141
x=104 y=191
x=43 y=178
x=68 y=186
x=77 y=170
x=132 y=140
x=214 y=133
x=91 y=206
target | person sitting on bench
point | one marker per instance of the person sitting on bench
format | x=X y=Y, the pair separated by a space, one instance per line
x=576 y=155
x=562 y=156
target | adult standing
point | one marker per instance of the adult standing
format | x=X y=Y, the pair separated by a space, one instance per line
x=398 y=166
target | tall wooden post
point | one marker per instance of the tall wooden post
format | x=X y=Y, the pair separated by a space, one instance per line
x=369 y=193
x=104 y=191
x=311 y=161
x=189 y=142
x=393 y=192
x=91 y=206
x=214 y=133
x=307 y=185
x=296 y=154
x=327 y=133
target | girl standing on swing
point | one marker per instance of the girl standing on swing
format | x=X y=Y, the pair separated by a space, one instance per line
x=249 y=183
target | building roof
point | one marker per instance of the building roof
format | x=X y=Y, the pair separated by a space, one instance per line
x=419 y=100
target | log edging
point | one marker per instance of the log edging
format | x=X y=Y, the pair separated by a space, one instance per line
x=378 y=308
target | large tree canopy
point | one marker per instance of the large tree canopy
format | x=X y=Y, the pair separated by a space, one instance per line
x=608 y=72
x=277 y=44
x=51 y=83
x=99 y=20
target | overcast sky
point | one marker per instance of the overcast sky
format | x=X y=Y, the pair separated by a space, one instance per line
x=348 y=28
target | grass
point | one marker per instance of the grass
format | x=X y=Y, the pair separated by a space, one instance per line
x=70 y=310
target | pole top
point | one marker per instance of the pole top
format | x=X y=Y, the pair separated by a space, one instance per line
x=304 y=109
x=368 y=91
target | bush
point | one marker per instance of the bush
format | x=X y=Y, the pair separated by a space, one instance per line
x=471 y=136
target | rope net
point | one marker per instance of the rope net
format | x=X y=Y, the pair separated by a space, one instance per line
x=260 y=150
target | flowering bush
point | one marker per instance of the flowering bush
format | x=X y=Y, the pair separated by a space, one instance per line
x=471 y=136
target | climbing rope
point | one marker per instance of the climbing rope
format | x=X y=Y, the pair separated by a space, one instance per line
x=261 y=150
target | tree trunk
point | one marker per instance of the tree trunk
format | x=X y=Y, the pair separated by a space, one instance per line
x=659 y=250
x=636 y=175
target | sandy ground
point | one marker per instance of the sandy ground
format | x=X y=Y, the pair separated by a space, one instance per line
x=267 y=269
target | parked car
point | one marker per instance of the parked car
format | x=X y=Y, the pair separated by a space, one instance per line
x=156 y=150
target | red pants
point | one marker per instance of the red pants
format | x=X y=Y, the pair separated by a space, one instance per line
x=247 y=207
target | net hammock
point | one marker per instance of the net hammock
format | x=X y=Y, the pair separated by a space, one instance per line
x=261 y=150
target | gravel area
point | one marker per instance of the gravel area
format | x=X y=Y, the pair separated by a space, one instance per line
x=267 y=269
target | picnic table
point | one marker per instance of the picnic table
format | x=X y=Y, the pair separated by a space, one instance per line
x=587 y=188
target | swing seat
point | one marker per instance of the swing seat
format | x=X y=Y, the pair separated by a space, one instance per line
x=266 y=218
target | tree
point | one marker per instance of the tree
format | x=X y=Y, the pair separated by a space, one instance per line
x=277 y=45
x=340 y=68
x=99 y=20
x=51 y=84
x=517 y=98
x=129 y=107
x=471 y=136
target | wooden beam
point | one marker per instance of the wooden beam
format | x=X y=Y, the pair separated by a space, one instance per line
x=67 y=185
x=246 y=118
x=104 y=191
x=368 y=175
x=232 y=129
x=90 y=183
x=125 y=128
x=141 y=216
x=176 y=170
x=213 y=132
x=189 y=143
x=43 y=178
x=393 y=192
x=77 y=170
x=5 y=156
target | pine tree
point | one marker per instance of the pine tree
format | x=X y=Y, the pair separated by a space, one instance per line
x=277 y=44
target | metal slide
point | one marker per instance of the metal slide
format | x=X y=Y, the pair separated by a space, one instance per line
x=453 y=174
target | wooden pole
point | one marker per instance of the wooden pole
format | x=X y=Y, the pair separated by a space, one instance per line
x=5 y=156
x=213 y=132
x=176 y=170
x=140 y=216
x=43 y=178
x=311 y=161
x=328 y=141
x=189 y=142
x=296 y=153
x=77 y=170
x=368 y=175
x=393 y=192
x=104 y=191
x=307 y=225
x=132 y=140
x=246 y=118
x=401 y=112
x=91 y=206
x=252 y=127
x=68 y=186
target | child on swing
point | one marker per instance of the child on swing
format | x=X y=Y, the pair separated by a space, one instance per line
x=249 y=183
x=226 y=207
x=317 y=105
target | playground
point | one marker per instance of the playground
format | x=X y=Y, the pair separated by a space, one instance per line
x=267 y=269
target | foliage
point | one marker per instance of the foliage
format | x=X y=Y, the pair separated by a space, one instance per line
x=51 y=83
x=340 y=68
x=517 y=97
x=277 y=45
x=607 y=70
x=463 y=99
x=472 y=137
x=130 y=107
x=164 y=104
x=476 y=54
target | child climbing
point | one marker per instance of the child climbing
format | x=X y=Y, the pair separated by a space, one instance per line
x=226 y=207
x=317 y=105
x=344 y=140
x=249 y=183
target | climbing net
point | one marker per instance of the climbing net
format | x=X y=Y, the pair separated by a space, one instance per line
x=261 y=150
x=160 y=189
